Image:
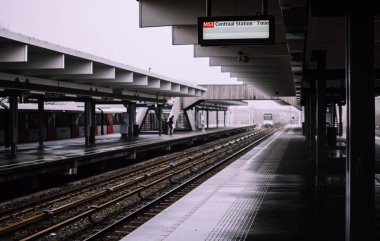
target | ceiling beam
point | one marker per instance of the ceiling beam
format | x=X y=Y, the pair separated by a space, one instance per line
x=13 y=52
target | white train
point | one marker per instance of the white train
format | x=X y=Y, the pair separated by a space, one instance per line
x=268 y=120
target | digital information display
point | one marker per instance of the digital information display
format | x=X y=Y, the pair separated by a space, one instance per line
x=236 y=30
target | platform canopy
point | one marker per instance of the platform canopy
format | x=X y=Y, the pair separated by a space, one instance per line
x=268 y=69
x=274 y=70
x=35 y=66
x=214 y=105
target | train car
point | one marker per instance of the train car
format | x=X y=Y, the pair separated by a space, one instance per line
x=268 y=120
x=60 y=122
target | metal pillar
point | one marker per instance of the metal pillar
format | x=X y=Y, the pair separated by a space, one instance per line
x=92 y=122
x=207 y=119
x=101 y=121
x=40 y=121
x=208 y=8
x=89 y=122
x=307 y=118
x=264 y=7
x=85 y=124
x=217 y=119
x=333 y=114
x=160 y=120
x=196 y=118
x=321 y=110
x=131 y=119
x=340 y=123
x=321 y=159
x=13 y=120
x=312 y=116
x=360 y=169
x=224 y=118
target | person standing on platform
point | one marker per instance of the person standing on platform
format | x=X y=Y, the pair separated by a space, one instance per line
x=170 y=125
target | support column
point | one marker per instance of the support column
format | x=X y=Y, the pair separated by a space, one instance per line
x=41 y=121
x=333 y=114
x=86 y=124
x=207 y=117
x=196 y=118
x=321 y=108
x=89 y=122
x=340 y=123
x=92 y=122
x=360 y=169
x=101 y=121
x=160 y=120
x=13 y=120
x=217 y=119
x=312 y=117
x=131 y=119
x=224 y=118
x=307 y=118
x=321 y=159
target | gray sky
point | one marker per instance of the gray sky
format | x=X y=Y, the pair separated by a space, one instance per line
x=109 y=29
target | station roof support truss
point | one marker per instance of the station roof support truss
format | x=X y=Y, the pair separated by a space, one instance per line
x=29 y=65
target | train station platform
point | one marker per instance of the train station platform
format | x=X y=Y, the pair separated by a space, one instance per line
x=265 y=195
x=268 y=194
x=62 y=156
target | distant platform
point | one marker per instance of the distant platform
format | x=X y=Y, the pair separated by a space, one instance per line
x=62 y=155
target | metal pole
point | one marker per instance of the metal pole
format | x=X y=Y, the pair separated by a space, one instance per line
x=13 y=102
x=92 y=122
x=101 y=121
x=86 y=122
x=321 y=160
x=131 y=119
x=134 y=132
x=321 y=103
x=333 y=114
x=208 y=8
x=160 y=120
x=224 y=119
x=340 y=125
x=265 y=7
x=196 y=118
x=217 y=119
x=307 y=118
x=312 y=117
x=41 y=121
x=360 y=169
x=207 y=119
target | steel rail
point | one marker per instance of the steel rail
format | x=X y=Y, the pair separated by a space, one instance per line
x=39 y=216
x=64 y=195
x=104 y=205
x=121 y=221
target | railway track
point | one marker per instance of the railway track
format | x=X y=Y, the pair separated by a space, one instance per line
x=69 y=213
x=45 y=202
x=119 y=228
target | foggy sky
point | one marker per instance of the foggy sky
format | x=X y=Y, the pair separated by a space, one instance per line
x=108 y=29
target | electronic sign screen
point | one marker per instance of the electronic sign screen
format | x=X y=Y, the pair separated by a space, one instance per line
x=232 y=30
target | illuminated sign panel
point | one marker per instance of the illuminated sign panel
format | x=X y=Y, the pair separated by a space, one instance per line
x=236 y=30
